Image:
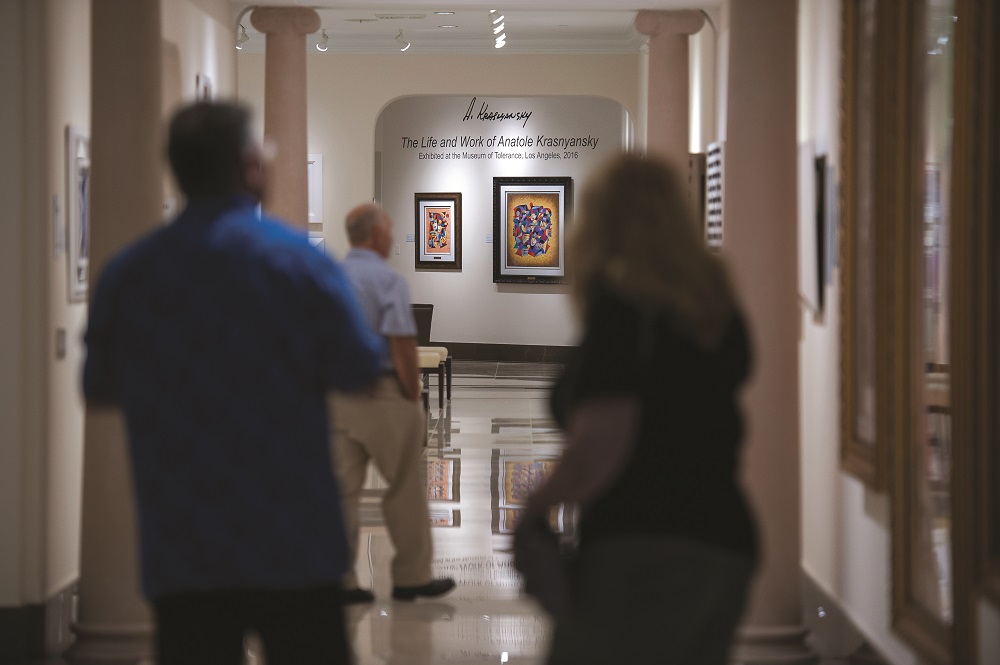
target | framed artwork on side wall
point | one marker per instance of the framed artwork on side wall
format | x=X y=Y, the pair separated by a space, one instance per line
x=529 y=225
x=866 y=269
x=77 y=212
x=438 y=232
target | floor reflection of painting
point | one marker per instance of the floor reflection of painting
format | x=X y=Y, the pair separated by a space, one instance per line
x=510 y=517
x=513 y=478
x=522 y=477
x=442 y=479
x=445 y=517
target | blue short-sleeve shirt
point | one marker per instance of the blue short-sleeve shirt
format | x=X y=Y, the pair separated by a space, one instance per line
x=219 y=336
x=384 y=296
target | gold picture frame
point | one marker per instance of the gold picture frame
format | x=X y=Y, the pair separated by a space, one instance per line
x=976 y=306
x=925 y=601
x=865 y=269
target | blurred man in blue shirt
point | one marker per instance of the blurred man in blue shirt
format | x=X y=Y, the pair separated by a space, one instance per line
x=218 y=336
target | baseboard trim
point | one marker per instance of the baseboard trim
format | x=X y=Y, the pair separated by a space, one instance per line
x=32 y=632
x=22 y=633
x=832 y=632
x=507 y=352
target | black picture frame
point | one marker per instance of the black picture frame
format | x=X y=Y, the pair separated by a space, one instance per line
x=529 y=240
x=438 y=231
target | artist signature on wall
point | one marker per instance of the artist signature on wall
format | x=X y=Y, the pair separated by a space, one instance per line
x=486 y=115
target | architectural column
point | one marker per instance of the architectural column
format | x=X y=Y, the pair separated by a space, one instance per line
x=668 y=132
x=760 y=242
x=126 y=196
x=285 y=107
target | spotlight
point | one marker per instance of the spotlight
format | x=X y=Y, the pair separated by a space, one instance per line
x=324 y=42
x=242 y=39
x=403 y=44
x=498 y=26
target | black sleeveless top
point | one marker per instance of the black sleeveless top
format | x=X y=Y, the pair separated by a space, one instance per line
x=682 y=476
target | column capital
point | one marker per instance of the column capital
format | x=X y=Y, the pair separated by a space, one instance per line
x=682 y=22
x=298 y=20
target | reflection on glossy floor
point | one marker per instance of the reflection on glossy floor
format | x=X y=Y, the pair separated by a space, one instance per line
x=485 y=448
x=493 y=441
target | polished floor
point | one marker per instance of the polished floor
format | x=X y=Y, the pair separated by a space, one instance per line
x=486 y=447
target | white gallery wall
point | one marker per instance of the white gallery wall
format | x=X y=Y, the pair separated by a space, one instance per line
x=42 y=430
x=46 y=67
x=67 y=97
x=846 y=527
x=566 y=136
x=346 y=96
x=11 y=301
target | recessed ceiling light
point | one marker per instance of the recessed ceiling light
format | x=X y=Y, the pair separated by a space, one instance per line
x=447 y=26
x=444 y=13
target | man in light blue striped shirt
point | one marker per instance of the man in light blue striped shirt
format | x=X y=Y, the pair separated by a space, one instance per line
x=387 y=424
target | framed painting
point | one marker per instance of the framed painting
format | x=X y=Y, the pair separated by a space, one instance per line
x=974 y=292
x=529 y=225
x=438 y=232
x=314 y=177
x=77 y=212
x=865 y=269
x=923 y=381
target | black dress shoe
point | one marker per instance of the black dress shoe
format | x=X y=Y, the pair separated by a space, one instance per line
x=432 y=589
x=356 y=595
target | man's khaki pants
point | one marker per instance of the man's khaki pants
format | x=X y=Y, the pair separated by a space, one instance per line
x=383 y=426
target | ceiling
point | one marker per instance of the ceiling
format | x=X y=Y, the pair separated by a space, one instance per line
x=543 y=26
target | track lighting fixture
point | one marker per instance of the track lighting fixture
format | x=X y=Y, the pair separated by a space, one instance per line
x=242 y=39
x=324 y=42
x=403 y=44
x=497 y=23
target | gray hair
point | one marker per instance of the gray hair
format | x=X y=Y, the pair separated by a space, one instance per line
x=361 y=220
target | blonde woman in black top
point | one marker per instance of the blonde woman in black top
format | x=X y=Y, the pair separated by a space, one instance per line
x=649 y=407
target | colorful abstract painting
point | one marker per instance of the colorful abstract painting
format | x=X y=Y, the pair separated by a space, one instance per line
x=77 y=212
x=438 y=231
x=530 y=216
x=532 y=239
x=513 y=477
x=442 y=479
x=520 y=479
